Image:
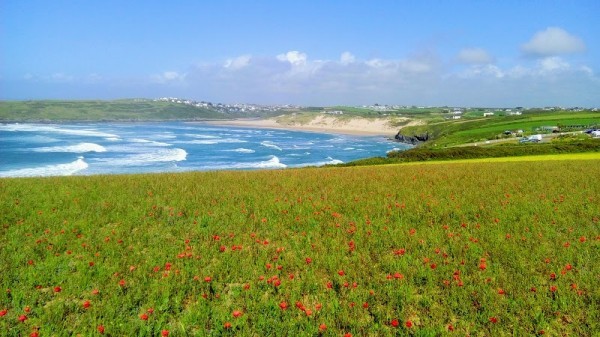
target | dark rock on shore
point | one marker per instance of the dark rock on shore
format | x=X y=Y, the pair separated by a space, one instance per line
x=415 y=139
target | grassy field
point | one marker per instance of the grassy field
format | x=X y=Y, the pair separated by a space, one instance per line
x=477 y=129
x=478 y=249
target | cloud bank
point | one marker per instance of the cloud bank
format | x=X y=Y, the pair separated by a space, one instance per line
x=470 y=77
x=553 y=41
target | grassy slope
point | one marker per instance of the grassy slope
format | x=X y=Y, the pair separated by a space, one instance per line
x=455 y=132
x=475 y=239
x=101 y=110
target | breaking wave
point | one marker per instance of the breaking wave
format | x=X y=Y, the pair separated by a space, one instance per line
x=241 y=150
x=147 y=158
x=79 y=148
x=48 y=170
x=56 y=129
x=270 y=144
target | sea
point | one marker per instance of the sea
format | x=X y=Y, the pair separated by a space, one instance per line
x=64 y=149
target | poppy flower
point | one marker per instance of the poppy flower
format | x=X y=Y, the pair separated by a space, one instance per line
x=227 y=325
x=86 y=304
x=322 y=327
x=57 y=289
x=283 y=305
x=101 y=329
x=3 y=312
x=395 y=323
x=237 y=313
x=494 y=319
x=164 y=333
x=22 y=318
x=341 y=273
x=144 y=317
x=34 y=334
x=408 y=324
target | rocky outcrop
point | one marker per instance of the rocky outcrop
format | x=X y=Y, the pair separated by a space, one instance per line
x=415 y=139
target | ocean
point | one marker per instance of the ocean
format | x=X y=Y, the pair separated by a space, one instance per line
x=121 y=148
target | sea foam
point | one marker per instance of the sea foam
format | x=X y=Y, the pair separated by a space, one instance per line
x=158 y=155
x=79 y=148
x=48 y=170
x=55 y=129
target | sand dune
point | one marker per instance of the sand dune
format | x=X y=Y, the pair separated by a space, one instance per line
x=327 y=124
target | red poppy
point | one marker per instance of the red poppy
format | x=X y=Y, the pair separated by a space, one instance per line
x=144 y=317
x=341 y=273
x=395 y=323
x=101 y=329
x=22 y=318
x=86 y=304
x=227 y=325
x=237 y=313
x=494 y=319
x=3 y=312
x=408 y=324
x=164 y=333
x=322 y=327
x=283 y=305
x=57 y=289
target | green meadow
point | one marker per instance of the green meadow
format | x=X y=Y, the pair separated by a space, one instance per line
x=451 y=249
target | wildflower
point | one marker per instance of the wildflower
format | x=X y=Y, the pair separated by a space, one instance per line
x=22 y=318
x=237 y=313
x=144 y=317
x=395 y=323
x=101 y=329
x=164 y=333
x=86 y=304
x=494 y=319
x=227 y=325
x=408 y=324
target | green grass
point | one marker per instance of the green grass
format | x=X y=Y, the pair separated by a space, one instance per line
x=129 y=110
x=468 y=130
x=457 y=245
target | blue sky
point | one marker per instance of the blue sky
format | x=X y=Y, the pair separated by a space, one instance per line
x=462 y=53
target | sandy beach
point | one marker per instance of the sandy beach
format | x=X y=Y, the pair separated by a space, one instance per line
x=326 y=124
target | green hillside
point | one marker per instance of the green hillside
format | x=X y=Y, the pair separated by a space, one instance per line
x=98 y=110
x=477 y=129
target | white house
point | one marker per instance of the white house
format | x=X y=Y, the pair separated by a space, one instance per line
x=485 y=114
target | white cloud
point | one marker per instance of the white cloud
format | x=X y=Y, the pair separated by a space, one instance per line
x=169 y=77
x=238 y=62
x=295 y=58
x=347 y=58
x=553 y=64
x=474 y=56
x=553 y=41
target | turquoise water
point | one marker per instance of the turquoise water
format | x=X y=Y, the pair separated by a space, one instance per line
x=114 y=148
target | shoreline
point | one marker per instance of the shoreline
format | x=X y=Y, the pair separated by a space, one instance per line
x=322 y=124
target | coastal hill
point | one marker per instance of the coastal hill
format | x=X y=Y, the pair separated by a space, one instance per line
x=427 y=127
